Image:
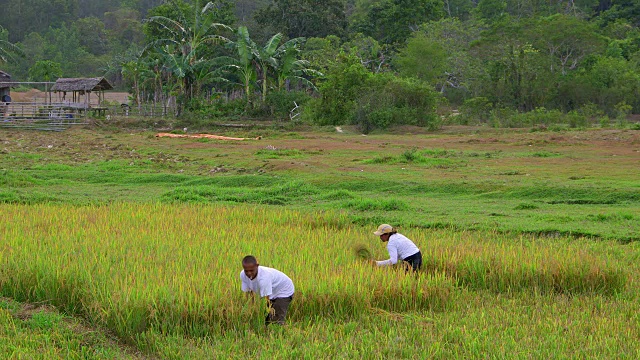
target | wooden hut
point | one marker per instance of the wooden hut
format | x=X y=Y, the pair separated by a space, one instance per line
x=81 y=89
x=5 y=87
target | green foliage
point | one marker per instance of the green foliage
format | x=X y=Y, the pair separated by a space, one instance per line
x=410 y=60
x=351 y=94
x=519 y=55
x=45 y=70
x=475 y=110
x=281 y=103
x=505 y=117
x=392 y=21
x=95 y=38
x=304 y=18
x=343 y=84
x=605 y=82
x=491 y=10
x=622 y=110
x=7 y=49
x=389 y=100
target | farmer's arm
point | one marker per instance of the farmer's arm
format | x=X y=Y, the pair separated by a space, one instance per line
x=393 y=257
x=246 y=289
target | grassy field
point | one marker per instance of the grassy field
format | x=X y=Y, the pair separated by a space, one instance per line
x=529 y=239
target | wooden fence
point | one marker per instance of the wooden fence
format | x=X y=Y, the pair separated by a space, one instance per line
x=52 y=116
x=147 y=109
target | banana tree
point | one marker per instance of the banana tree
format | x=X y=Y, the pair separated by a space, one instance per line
x=135 y=71
x=185 y=47
x=8 y=50
x=243 y=64
x=290 y=67
x=266 y=59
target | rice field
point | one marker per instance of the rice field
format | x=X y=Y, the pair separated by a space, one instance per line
x=116 y=244
x=144 y=269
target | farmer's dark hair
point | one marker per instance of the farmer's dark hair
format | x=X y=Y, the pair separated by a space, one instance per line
x=249 y=260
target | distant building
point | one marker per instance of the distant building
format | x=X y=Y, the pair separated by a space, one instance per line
x=81 y=89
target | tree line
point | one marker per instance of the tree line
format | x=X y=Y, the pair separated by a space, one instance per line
x=370 y=63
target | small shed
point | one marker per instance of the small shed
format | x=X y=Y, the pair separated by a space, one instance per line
x=5 y=87
x=81 y=89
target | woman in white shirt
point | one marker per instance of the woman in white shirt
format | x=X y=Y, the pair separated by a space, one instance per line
x=399 y=247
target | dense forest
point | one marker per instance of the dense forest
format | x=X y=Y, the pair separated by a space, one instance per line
x=366 y=62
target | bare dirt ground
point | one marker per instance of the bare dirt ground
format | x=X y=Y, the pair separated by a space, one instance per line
x=323 y=151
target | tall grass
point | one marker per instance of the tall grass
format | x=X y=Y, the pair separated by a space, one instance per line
x=175 y=268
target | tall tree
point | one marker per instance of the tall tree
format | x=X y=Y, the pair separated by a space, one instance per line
x=567 y=39
x=45 y=70
x=393 y=21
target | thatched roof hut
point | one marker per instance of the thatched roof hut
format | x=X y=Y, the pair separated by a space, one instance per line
x=82 y=86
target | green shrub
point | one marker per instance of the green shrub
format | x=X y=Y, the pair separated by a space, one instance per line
x=389 y=100
x=575 y=119
x=280 y=103
x=475 y=110
x=352 y=94
x=506 y=117
x=343 y=84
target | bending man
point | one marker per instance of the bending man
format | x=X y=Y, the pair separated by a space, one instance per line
x=399 y=247
x=268 y=283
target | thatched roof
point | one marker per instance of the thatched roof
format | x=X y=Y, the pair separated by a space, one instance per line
x=81 y=84
x=5 y=80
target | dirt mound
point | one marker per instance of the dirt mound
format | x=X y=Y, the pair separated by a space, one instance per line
x=28 y=96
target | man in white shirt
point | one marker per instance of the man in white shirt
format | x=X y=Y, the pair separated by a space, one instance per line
x=399 y=247
x=268 y=283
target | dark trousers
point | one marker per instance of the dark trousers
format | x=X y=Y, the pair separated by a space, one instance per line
x=278 y=311
x=415 y=261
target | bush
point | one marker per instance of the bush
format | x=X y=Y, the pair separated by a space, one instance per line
x=389 y=100
x=475 y=110
x=280 y=103
x=622 y=110
x=574 y=119
x=351 y=94
x=506 y=117
x=344 y=82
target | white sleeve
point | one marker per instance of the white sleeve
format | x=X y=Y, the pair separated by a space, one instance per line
x=245 y=286
x=393 y=256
